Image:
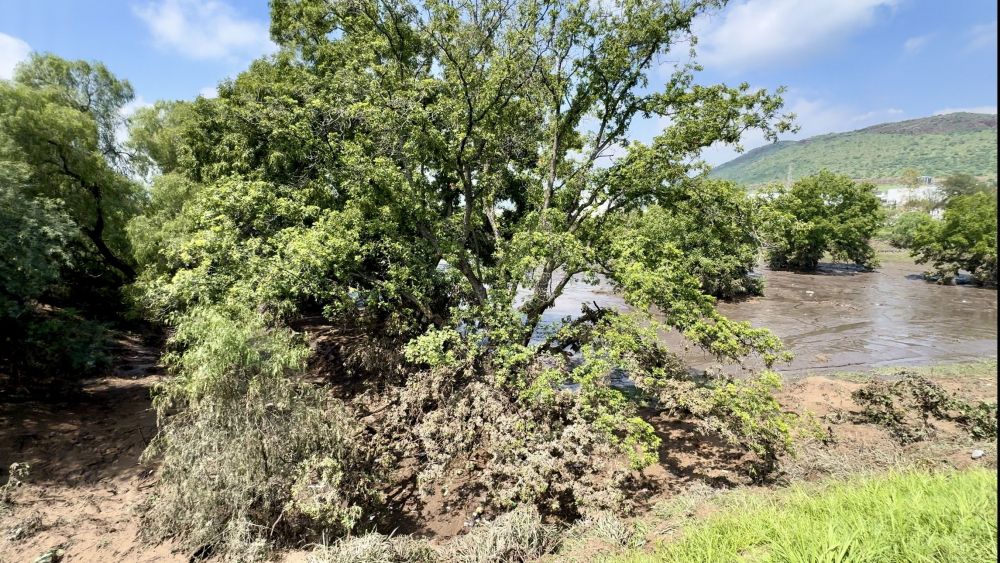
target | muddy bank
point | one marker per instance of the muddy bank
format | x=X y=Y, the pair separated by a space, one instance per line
x=841 y=320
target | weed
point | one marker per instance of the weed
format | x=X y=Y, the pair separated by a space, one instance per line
x=907 y=406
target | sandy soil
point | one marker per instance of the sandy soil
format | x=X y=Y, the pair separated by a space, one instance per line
x=85 y=479
x=86 y=482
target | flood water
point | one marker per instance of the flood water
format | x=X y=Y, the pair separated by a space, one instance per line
x=844 y=320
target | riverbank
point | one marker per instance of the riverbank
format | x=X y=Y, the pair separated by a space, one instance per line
x=86 y=488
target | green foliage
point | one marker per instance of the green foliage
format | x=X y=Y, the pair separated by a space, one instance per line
x=373 y=547
x=715 y=226
x=906 y=407
x=964 y=239
x=964 y=184
x=252 y=452
x=59 y=118
x=948 y=516
x=65 y=198
x=34 y=236
x=434 y=178
x=158 y=137
x=519 y=535
x=744 y=413
x=937 y=146
x=903 y=229
x=48 y=352
x=910 y=178
x=820 y=214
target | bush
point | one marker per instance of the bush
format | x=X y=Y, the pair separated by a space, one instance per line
x=820 y=214
x=252 y=456
x=375 y=548
x=33 y=239
x=519 y=535
x=903 y=230
x=744 y=413
x=714 y=224
x=49 y=352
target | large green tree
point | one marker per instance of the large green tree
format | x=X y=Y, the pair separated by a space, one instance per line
x=820 y=214
x=60 y=119
x=436 y=175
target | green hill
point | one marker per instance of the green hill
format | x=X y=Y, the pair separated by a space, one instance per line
x=934 y=146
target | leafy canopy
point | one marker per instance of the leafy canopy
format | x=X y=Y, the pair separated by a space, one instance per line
x=965 y=238
x=824 y=213
x=434 y=176
x=59 y=119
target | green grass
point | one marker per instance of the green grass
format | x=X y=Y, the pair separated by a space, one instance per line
x=932 y=150
x=897 y=517
x=985 y=368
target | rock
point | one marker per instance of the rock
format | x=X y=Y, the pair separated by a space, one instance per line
x=53 y=555
x=976 y=454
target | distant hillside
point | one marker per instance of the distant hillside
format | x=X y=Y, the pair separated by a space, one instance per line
x=934 y=146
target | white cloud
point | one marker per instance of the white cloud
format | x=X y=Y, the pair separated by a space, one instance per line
x=917 y=43
x=814 y=117
x=12 y=51
x=976 y=109
x=983 y=36
x=209 y=92
x=135 y=105
x=757 y=33
x=205 y=29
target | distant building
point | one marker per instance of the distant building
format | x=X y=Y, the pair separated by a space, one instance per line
x=925 y=180
x=899 y=196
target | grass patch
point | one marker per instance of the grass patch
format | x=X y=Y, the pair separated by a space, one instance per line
x=985 y=368
x=911 y=516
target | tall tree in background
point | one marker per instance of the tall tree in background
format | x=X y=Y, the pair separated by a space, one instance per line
x=910 y=178
x=820 y=214
x=61 y=119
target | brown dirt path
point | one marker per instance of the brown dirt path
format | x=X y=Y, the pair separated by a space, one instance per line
x=85 y=479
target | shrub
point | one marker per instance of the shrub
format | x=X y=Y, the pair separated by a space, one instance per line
x=903 y=230
x=714 y=224
x=253 y=456
x=375 y=548
x=50 y=352
x=964 y=239
x=744 y=413
x=519 y=535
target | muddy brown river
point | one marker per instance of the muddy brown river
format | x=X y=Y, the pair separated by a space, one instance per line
x=844 y=320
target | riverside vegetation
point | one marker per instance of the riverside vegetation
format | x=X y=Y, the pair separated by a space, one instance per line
x=430 y=178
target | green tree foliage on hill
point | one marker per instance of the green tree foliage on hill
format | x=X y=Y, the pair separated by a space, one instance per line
x=964 y=239
x=964 y=184
x=825 y=213
x=430 y=176
x=936 y=146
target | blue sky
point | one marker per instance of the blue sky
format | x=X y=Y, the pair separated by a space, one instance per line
x=846 y=63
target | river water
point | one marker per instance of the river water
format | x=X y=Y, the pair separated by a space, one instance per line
x=844 y=320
